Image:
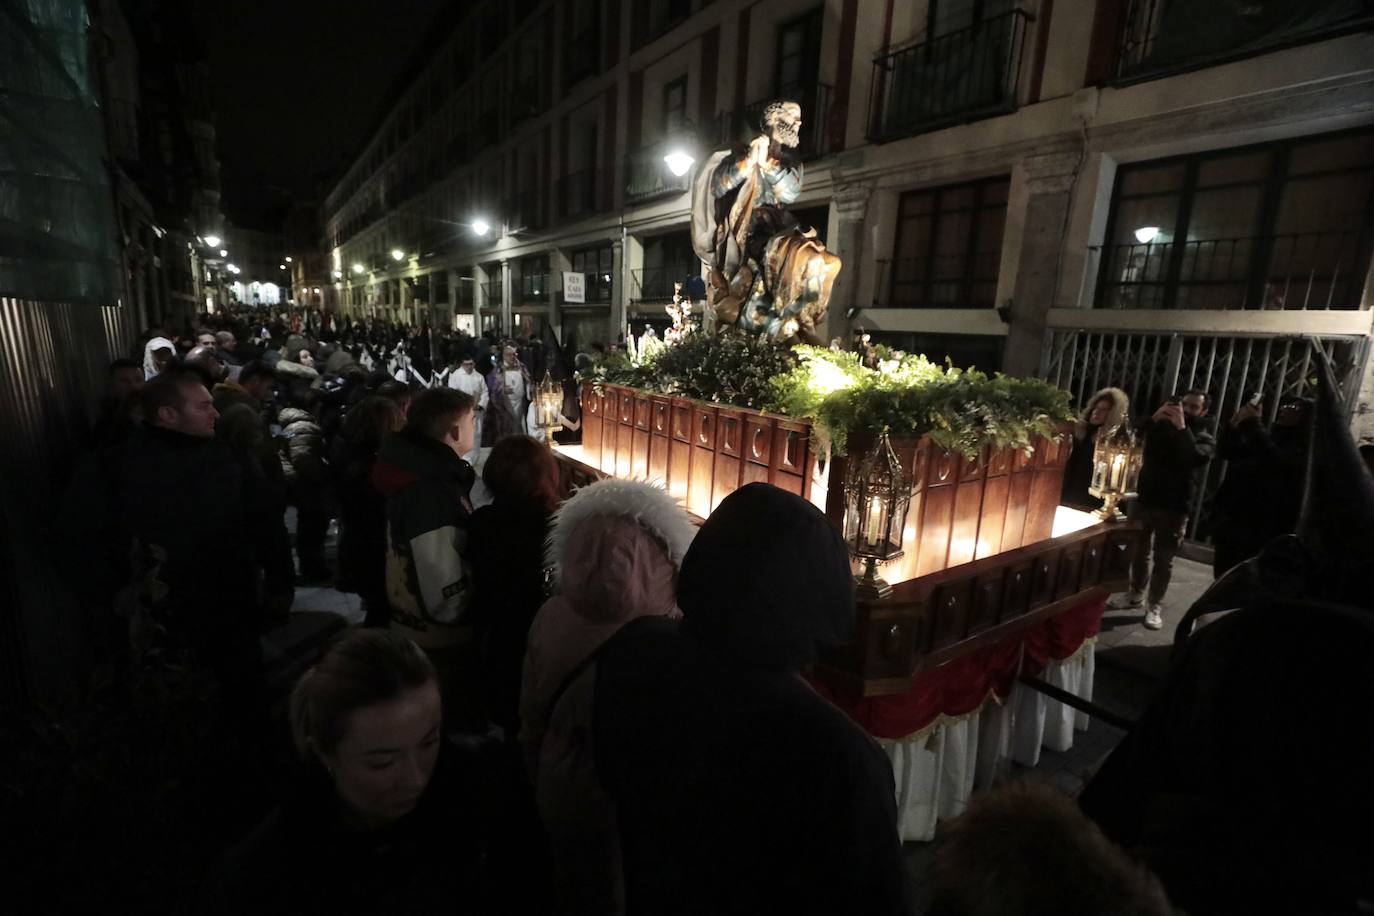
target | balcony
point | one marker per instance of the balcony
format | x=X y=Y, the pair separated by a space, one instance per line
x=534 y=288
x=655 y=284
x=939 y=282
x=525 y=100
x=582 y=57
x=1311 y=271
x=597 y=286
x=523 y=211
x=648 y=178
x=963 y=76
x=579 y=193
x=738 y=127
x=1157 y=37
x=491 y=293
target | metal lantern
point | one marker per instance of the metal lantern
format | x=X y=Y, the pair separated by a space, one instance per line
x=548 y=401
x=1117 y=456
x=877 y=497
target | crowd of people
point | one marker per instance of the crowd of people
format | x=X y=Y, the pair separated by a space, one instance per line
x=561 y=704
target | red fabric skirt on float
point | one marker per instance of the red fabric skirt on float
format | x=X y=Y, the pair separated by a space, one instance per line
x=962 y=686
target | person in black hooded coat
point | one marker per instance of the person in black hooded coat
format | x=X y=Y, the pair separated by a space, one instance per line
x=738 y=788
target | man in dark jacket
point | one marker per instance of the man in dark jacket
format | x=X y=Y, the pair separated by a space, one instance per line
x=1262 y=493
x=738 y=788
x=1178 y=443
x=181 y=495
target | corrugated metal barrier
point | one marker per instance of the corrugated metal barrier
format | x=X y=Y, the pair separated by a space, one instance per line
x=53 y=359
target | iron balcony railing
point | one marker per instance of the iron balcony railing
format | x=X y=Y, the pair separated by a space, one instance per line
x=1309 y=271
x=962 y=76
x=734 y=128
x=647 y=176
x=939 y=282
x=655 y=284
x=1159 y=37
x=491 y=292
x=579 y=193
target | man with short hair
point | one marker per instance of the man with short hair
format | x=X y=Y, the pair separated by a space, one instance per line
x=182 y=498
x=426 y=482
x=1178 y=443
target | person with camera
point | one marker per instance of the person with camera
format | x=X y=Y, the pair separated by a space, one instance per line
x=1262 y=493
x=1178 y=443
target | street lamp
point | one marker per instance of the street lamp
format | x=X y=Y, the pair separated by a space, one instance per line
x=212 y=241
x=281 y=267
x=288 y=259
x=679 y=162
x=397 y=254
x=480 y=227
x=358 y=268
x=224 y=252
x=338 y=275
x=1146 y=234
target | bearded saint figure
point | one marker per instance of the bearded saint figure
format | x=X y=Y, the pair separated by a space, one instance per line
x=768 y=273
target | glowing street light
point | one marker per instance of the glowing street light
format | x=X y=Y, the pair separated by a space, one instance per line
x=1146 y=234
x=224 y=252
x=231 y=268
x=212 y=241
x=397 y=254
x=358 y=268
x=288 y=259
x=338 y=275
x=480 y=227
x=679 y=162
x=281 y=267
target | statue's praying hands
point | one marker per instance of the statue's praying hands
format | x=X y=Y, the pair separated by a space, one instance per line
x=758 y=152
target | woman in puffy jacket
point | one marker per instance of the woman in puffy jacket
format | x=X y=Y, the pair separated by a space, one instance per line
x=615 y=548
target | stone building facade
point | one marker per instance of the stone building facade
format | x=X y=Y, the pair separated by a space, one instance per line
x=1136 y=192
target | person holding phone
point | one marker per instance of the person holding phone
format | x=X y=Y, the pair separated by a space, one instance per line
x=1178 y=443
x=1261 y=495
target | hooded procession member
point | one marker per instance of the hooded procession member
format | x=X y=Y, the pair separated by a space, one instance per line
x=1246 y=785
x=615 y=548
x=738 y=789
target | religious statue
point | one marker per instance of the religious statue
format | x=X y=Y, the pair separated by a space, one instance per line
x=768 y=273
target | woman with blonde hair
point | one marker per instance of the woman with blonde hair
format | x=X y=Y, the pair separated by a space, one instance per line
x=1107 y=409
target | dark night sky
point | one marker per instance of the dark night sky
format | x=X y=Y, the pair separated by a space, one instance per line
x=296 y=84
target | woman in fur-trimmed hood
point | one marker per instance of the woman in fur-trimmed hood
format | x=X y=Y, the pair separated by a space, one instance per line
x=1107 y=409
x=615 y=547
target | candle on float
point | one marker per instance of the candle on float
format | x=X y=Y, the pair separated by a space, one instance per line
x=875 y=523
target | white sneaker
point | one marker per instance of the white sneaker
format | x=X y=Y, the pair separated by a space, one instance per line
x=1154 y=617
x=1126 y=601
